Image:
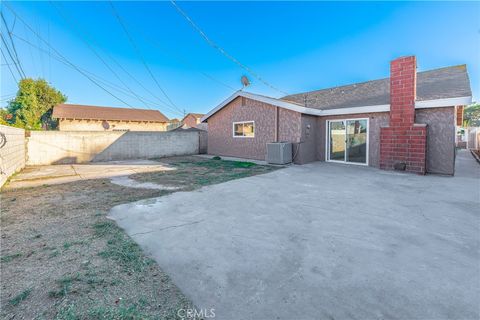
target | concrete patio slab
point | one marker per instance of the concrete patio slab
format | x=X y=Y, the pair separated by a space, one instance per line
x=321 y=241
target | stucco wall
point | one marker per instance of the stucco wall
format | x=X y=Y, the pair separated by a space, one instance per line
x=203 y=142
x=220 y=130
x=96 y=125
x=12 y=153
x=440 y=138
x=307 y=149
x=53 y=147
x=376 y=121
x=293 y=127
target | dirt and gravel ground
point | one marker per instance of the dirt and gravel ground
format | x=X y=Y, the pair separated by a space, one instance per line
x=321 y=241
x=61 y=258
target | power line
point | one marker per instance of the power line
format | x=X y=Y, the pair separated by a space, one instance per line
x=96 y=77
x=130 y=75
x=11 y=56
x=13 y=44
x=132 y=42
x=8 y=65
x=66 y=60
x=30 y=51
x=222 y=51
x=84 y=39
x=180 y=58
x=40 y=54
x=140 y=83
x=49 y=55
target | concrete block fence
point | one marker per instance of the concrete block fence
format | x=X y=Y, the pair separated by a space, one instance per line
x=62 y=147
x=12 y=151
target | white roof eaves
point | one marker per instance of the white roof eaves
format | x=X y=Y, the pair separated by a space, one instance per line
x=268 y=100
x=440 y=103
x=437 y=103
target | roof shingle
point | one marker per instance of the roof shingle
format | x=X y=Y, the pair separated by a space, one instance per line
x=449 y=82
x=75 y=111
x=195 y=115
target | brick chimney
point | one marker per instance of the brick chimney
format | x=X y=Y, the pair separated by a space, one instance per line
x=403 y=144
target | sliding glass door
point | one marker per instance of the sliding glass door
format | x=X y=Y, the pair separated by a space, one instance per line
x=348 y=141
x=337 y=141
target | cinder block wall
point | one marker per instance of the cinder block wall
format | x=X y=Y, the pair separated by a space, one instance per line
x=12 y=153
x=56 y=147
x=203 y=142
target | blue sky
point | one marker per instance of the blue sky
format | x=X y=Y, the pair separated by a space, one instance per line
x=295 y=46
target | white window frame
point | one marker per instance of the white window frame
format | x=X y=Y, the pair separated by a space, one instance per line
x=242 y=122
x=327 y=142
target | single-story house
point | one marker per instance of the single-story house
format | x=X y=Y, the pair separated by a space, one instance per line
x=404 y=122
x=72 y=117
x=194 y=120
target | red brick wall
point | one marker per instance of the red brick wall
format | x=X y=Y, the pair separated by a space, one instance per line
x=403 y=145
x=220 y=135
x=459 y=116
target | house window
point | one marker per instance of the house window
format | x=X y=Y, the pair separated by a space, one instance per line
x=244 y=129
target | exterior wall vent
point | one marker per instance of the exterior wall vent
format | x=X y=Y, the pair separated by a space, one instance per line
x=279 y=152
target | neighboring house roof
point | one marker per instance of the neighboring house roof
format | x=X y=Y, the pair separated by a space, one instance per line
x=186 y=128
x=195 y=115
x=435 y=84
x=443 y=87
x=75 y=111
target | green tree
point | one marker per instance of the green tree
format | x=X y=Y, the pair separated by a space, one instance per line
x=3 y=116
x=471 y=115
x=32 y=107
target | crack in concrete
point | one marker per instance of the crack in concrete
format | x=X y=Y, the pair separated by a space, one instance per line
x=169 y=227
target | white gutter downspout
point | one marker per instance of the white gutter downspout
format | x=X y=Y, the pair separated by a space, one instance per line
x=276 y=123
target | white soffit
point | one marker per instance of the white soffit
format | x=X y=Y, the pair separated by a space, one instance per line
x=437 y=103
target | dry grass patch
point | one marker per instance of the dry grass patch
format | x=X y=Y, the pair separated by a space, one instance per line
x=195 y=172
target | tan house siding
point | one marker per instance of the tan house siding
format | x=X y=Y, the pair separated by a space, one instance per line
x=96 y=125
x=220 y=128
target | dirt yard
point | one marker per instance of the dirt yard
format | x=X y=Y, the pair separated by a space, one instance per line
x=62 y=259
